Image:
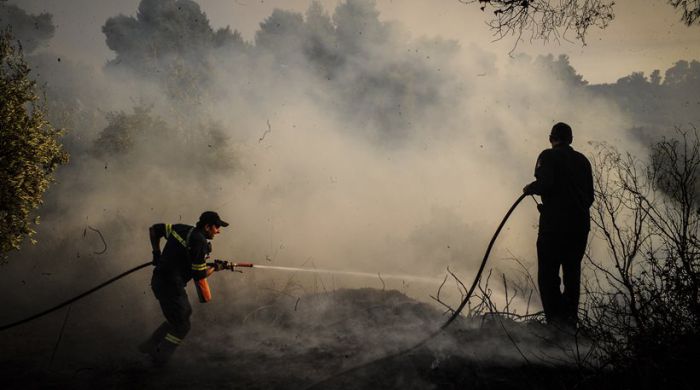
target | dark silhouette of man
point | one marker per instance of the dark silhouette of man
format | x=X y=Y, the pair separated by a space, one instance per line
x=565 y=183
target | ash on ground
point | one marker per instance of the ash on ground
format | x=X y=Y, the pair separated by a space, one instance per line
x=297 y=342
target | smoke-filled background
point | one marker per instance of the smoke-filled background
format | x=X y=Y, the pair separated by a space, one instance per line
x=347 y=135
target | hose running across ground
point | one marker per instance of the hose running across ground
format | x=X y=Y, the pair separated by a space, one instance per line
x=447 y=323
x=76 y=298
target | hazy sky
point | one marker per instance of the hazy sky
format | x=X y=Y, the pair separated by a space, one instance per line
x=644 y=35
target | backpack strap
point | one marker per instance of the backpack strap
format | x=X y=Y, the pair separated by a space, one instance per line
x=170 y=232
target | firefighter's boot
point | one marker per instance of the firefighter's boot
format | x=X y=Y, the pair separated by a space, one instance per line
x=149 y=346
x=165 y=349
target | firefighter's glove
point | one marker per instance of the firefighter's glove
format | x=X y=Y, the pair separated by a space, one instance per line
x=156 y=257
x=220 y=265
x=529 y=189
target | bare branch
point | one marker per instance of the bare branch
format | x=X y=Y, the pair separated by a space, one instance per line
x=546 y=19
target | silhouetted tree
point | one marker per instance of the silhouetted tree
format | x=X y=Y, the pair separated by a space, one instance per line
x=321 y=45
x=32 y=31
x=690 y=8
x=225 y=38
x=643 y=300
x=657 y=103
x=683 y=72
x=655 y=77
x=125 y=131
x=161 y=31
x=546 y=19
x=281 y=33
x=169 y=41
x=358 y=25
x=561 y=69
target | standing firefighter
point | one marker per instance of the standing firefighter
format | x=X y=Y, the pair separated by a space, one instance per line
x=183 y=258
x=565 y=183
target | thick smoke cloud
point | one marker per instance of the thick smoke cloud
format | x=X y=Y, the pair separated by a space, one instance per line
x=33 y=31
x=365 y=72
x=163 y=32
x=335 y=139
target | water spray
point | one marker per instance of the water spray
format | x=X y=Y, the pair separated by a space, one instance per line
x=233 y=267
x=230 y=266
x=410 y=278
x=322 y=384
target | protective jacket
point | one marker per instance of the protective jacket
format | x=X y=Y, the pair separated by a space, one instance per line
x=184 y=254
x=564 y=180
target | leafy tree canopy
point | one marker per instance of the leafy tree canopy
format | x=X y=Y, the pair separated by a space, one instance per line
x=30 y=150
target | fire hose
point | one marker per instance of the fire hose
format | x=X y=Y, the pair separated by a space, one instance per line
x=447 y=323
x=233 y=266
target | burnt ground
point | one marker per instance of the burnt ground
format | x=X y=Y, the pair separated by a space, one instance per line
x=296 y=343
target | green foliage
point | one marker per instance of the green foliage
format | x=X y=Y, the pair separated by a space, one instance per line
x=30 y=150
x=142 y=138
x=125 y=131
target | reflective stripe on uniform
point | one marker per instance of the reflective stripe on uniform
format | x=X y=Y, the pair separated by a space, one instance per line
x=199 y=267
x=177 y=237
x=170 y=232
x=175 y=340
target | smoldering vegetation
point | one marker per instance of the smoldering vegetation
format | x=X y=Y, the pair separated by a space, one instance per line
x=334 y=139
x=296 y=343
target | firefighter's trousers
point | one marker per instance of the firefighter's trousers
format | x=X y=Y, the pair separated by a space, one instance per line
x=171 y=294
x=555 y=250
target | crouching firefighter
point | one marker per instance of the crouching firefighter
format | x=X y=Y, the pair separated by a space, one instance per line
x=183 y=258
